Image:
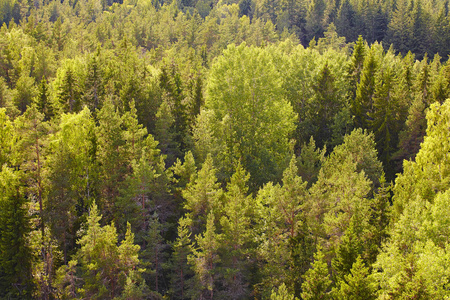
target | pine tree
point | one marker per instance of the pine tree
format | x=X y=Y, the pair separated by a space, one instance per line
x=32 y=130
x=325 y=104
x=351 y=246
x=171 y=85
x=310 y=161
x=400 y=29
x=346 y=21
x=152 y=255
x=316 y=281
x=111 y=156
x=282 y=294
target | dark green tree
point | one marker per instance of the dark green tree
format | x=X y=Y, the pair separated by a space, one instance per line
x=15 y=255
x=43 y=102
x=362 y=105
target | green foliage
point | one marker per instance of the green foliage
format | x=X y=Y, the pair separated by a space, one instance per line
x=249 y=95
x=15 y=258
x=104 y=265
x=195 y=108
x=282 y=294
x=70 y=176
x=204 y=259
x=202 y=196
x=357 y=284
x=317 y=282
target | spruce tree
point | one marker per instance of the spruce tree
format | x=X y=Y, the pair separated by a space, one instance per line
x=316 y=281
x=204 y=261
x=42 y=100
x=236 y=235
x=181 y=271
x=15 y=254
x=362 y=106
x=202 y=196
x=357 y=285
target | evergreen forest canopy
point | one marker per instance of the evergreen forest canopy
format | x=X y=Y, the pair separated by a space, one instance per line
x=202 y=150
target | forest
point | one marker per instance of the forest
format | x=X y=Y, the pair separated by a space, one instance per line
x=232 y=149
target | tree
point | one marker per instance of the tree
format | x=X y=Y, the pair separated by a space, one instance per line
x=204 y=260
x=400 y=26
x=15 y=254
x=111 y=156
x=104 y=265
x=236 y=236
x=285 y=245
x=355 y=69
x=32 y=130
x=93 y=84
x=325 y=104
x=68 y=91
x=310 y=161
x=202 y=196
x=282 y=294
x=362 y=105
x=180 y=267
x=42 y=100
x=246 y=101
x=316 y=281
x=71 y=177
x=385 y=120
x=6 y=138
x=357 y=284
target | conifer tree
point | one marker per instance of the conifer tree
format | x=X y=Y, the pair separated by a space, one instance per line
x=357 y=284
x=15 y=254
x=6 y=138
x=111 y=156
x=204 y=260
x=152 y=256
x=325 y=104
x=385 y=122
x=282 y=294
x=104 y=265
x=310 y=161
x=93 y=91
x=355 y=69
x=236 y=236
x=180 y=267
x=351 y=246
x=316 y=281
x=70 y=176
x=68 y=91
x=42 y=100
x=362 y=106
x=202 y=196
x=32 y=130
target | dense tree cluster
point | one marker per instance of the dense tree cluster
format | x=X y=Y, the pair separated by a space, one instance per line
x=199 y=150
